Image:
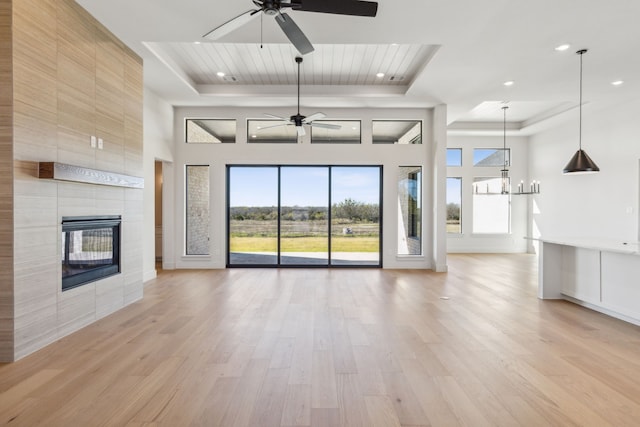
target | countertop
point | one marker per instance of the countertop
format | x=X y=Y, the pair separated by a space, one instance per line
x=595 y=243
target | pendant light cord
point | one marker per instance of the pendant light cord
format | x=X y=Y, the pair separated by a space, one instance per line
x=504 y=136
x=580 y=52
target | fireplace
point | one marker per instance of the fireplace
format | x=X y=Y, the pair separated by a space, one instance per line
x=90 y=249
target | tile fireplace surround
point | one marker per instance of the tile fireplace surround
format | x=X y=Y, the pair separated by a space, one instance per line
x=69 y=79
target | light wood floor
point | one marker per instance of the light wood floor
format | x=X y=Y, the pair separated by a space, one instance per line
x=315 y=347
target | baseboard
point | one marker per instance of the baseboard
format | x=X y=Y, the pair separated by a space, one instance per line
x=603 y=310
x=441 y=268
x=149 y=275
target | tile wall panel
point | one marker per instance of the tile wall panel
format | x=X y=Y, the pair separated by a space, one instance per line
x=6 y=184
x=75 y=80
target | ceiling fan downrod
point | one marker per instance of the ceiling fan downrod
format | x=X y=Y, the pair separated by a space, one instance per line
x=298 y=61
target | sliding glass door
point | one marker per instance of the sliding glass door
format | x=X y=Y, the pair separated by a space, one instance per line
x=304 y=192
x=304 y=215
x=355 y=215
x=252 y=214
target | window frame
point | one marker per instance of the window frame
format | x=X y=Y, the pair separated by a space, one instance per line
x=502 y=164
x=416 y=121
x=196 y=119
x=359 y=122
x=461 y=181
x=461 y=159
x=252 y=140
x=491 y=194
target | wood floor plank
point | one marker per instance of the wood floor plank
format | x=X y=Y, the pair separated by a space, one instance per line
x=353 y=409
x=381 y=412
x=315 y=347
x=269 y=404
x=325 y=417
x=323 y=381
x=297 y=406
x=402 y=396
x=240 y=408
x=302 y=360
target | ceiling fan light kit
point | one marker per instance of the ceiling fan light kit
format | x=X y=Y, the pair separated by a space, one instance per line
x=287 y=24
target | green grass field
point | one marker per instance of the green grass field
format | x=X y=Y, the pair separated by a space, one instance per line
x=305 y=244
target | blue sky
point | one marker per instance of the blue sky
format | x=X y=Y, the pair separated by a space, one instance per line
x=454 y=155
x=303 y=186
x=454 y=187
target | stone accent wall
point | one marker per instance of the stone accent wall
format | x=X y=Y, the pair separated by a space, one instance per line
x=197 y=210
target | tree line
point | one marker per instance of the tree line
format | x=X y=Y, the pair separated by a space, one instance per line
x=348 y=209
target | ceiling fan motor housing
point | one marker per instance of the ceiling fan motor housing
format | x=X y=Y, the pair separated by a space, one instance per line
x=297 y=119
x=271 y=7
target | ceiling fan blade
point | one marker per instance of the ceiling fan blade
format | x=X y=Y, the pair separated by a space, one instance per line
x=231 y=25
x=339 y=7
x=273 y=126
x=325 y=125
x=294 y=33
x=316 y=116
x=300 y=130
x=276 y=117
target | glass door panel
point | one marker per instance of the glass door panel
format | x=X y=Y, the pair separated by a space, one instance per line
x=253 y=215
x=304 y=197
x=279 y=215
x=355 y=215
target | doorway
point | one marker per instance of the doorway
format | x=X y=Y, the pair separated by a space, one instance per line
x=158 y=214
x=307 y=216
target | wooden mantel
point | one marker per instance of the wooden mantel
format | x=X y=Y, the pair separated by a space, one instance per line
x=63 y=172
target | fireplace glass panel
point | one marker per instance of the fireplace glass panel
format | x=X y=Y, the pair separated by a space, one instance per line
x=90 y=249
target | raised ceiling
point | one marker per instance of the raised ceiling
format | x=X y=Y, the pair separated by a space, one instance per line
x=246 y=69
x=458 y=52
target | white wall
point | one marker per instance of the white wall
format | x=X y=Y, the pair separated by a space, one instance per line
x=468 y=242
x=220 y=155
x=158 y=145
x=603 y=205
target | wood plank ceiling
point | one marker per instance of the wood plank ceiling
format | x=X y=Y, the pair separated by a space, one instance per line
x=274 y=64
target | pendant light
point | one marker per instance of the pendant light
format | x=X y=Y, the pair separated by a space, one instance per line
x=534 y=187
x=581 y=163
x=505 y=171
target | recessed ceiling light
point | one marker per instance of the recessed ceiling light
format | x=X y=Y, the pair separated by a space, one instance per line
x=562 y=47
x=509 y=83
x=617 y=82
x=380 y=75
x=254 y=136
x=197 y=42
x=220 y=74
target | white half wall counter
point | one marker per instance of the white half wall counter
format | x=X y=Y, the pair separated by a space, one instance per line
x=600 y=274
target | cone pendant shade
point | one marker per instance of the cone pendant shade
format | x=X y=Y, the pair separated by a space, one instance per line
x=581 y=163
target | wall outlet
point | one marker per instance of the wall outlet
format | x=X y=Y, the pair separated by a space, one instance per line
x=629 y=210
x=93 y=141
x=100 y=144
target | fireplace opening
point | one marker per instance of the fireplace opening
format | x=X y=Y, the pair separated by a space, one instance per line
x=90 y=249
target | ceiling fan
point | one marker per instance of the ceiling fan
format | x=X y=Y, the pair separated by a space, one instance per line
x=298 y=120
x=289 y=27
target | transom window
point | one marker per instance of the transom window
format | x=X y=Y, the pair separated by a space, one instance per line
x=400 y=132
x=491 y=157
x=210 y=131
